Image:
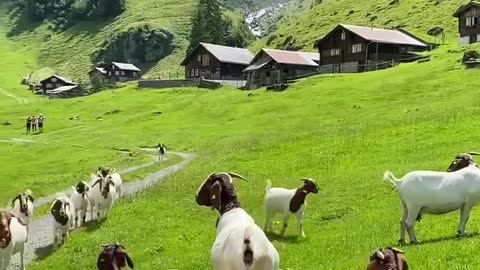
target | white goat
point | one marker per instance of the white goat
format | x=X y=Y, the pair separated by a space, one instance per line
x=436 y=193
x=62 y=210
x=101 y=196
x=240 y=244
x=22 y=207
x=80 y=201
x=118 y=183
x=13 y=235
x=287 y=202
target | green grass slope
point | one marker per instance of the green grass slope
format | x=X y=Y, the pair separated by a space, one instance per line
x=417 y=16
x=343 y=130
x=69 y=52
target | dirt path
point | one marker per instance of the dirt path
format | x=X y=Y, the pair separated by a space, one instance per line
x=20 y=100
x=40 y=240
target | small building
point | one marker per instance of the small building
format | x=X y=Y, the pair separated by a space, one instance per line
x=276 y=66
x=54 y=82
x=468 y=23
x=216 y=62
x=349 y=48
x=122 y=72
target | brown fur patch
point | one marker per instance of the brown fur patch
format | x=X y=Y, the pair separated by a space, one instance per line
x=392 y=260
x=5 y=234
x=298 y=199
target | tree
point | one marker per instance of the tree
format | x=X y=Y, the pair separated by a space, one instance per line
x=208 y=24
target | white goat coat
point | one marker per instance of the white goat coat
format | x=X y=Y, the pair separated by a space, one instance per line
x=117 y=180
x=101 y=204
x=60 y=231
x=439 y=192
x=277 y=200
x=17 y=245
x=80 y=206
x=234 y=227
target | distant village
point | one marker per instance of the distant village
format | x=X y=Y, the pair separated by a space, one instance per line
x=345 y=49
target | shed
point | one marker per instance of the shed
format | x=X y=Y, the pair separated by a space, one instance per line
x=468 y=23
x=53 y=82
x=117 y=71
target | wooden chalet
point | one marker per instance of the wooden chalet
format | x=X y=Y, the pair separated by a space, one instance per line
x=276 y=66
x=468 y=23
x=349 y=48
x=122 y=72
x=216 y=62
x=54 y=82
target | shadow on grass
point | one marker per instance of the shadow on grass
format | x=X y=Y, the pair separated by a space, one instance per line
x=92 y=226
x=290 y=239
x=441 y=239
x=43 y=252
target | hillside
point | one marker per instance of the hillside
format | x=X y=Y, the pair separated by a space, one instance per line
x=164 y=24
x=302 y=29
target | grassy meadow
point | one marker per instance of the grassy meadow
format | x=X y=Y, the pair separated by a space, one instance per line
x=342 y=130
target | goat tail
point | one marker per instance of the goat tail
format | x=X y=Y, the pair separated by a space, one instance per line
x=248 y=255
x=269 y=185
x=388 y=175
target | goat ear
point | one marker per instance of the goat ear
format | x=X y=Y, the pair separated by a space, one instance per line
x=216 y=195
x=203 y=193
x=30 y=197
x=129 y=261
x=16 y=198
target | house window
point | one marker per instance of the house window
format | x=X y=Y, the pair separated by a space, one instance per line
x=109 y=73
x=334 y=52
x=471 y=21
x=134 y=74
x=192 y=72
x=205 y=60
x=117 y=72
x=344 y=35
x=196 y=72
x=356 y=48
x=199 y=58
x=285 y=70
x=54 y=79
x=123 y=73
x=49 y=85
x=267 y=73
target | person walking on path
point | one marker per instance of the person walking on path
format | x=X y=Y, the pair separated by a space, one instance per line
x=41 y=119
x=34 y=124
x=29 y=124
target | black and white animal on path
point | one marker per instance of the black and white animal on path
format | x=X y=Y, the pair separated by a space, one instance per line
x=161 y=151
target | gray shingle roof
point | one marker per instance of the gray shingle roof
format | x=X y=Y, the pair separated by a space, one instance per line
x=384 y=35
x=226 y=54
x=126 y=66
x=68 y=81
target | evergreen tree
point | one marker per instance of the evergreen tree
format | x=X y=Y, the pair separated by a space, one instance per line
x=208 y=24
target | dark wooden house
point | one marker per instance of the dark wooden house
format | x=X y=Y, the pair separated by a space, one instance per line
x=349 y=48
x=216 y=62
x=122 y=72
x=54 y=82
x=276 y=66
x=468 y=23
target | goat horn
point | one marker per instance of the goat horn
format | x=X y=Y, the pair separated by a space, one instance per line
x=397 y=250
x=236 y=175
x=474 y=153
x=380 y=255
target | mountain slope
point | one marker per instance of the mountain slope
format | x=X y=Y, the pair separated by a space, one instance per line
x=73 y=52
x=418 y=16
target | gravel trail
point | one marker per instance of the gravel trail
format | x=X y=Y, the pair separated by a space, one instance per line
x=40 y=238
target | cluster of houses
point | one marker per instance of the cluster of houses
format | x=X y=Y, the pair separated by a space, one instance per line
x=345 y=49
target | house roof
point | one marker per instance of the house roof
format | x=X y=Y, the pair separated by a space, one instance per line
x=99 y=69
x=67 y=81
x=284 y=57
x=463 y=8
x=62 y=89
x=384 y=35
x=224 y=54
x=126 y=66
